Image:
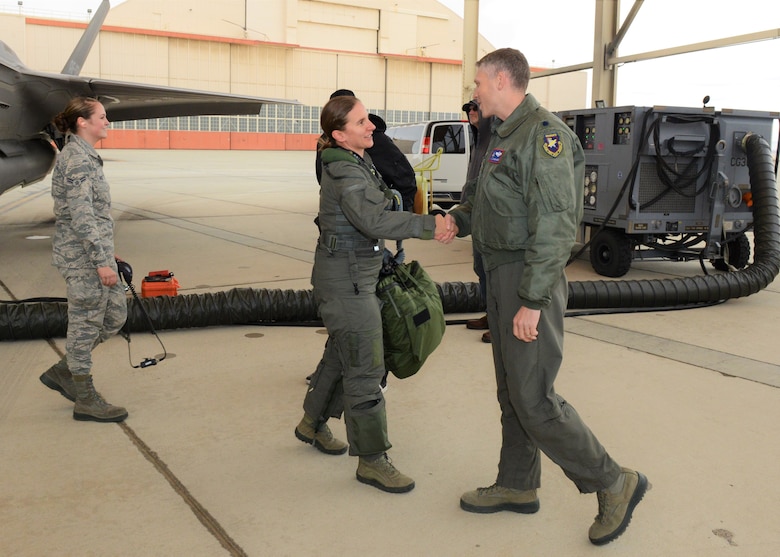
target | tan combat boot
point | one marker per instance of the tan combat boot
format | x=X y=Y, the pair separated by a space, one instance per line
x=90 y=406
x=58 y=378
x=322 y=438
x=381 y=473
x=497 y=498
x=616 y=506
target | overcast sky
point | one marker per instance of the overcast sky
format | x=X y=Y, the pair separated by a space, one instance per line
x=560 y=33
x=60 y=8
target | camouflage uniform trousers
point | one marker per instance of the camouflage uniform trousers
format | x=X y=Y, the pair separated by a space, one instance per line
x=95 y=314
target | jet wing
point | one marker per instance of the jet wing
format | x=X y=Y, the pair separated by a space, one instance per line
x=130 y=101
x=37 y=97
x=29 y=100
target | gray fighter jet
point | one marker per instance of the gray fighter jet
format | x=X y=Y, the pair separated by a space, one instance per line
x=29 y=100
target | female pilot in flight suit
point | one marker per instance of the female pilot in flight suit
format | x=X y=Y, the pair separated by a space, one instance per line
x=354 y=219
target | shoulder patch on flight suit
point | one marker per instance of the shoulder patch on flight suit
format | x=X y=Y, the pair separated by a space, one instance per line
x=551 y=144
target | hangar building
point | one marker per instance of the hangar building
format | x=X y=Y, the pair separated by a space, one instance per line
x=402 y=58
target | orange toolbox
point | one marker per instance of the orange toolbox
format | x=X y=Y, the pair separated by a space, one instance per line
x=159 y=283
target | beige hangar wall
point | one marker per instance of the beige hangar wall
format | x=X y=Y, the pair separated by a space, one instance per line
x=403 y=59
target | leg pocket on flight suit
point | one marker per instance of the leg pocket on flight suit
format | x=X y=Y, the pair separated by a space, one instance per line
x=365 y=350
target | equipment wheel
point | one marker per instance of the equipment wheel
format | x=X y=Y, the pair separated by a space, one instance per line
x=738 y=254
x=610 y=253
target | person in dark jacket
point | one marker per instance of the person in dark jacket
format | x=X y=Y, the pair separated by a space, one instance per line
x=396 y=170
x=481 y=130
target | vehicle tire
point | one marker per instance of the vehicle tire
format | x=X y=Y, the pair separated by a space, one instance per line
x=738 y=256
x=610 y=253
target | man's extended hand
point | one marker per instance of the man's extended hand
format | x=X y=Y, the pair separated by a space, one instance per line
x=449 y=229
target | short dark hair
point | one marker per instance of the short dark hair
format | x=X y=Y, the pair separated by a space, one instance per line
x=342 y=93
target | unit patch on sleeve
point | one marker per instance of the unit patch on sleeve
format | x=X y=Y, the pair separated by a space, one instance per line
x=551 y=143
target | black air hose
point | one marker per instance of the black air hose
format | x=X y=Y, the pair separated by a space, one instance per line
x=47 y=319
x=41 y=319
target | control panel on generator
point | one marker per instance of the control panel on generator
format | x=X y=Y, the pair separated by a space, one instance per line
x=664 y=182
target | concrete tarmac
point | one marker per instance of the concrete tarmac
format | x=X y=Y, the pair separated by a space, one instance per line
x=207 y=463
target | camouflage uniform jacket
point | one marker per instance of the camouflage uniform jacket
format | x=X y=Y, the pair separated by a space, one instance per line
x=84 y=229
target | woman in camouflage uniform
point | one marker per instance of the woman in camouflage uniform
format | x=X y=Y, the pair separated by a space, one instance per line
x=83 y=252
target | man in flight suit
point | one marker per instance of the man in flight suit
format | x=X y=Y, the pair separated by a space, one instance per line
x=523 y=218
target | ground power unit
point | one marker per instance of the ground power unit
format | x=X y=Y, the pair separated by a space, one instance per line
x=666 y=183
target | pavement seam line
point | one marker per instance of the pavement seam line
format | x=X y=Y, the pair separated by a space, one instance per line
x=219 y=233
x=727 y=364
x=204 y=516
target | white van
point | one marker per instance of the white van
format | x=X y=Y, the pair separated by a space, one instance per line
x=420 y=141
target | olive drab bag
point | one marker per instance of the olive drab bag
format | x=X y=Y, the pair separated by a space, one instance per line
x=412 y=317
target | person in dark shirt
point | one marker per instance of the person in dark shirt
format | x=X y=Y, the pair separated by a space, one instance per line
x=396 y=170
x=480 y=128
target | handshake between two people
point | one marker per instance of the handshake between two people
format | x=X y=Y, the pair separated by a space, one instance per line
x=446 y=229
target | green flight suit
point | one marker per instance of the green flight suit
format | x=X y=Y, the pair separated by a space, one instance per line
x=523 y=215
x=354 y=219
